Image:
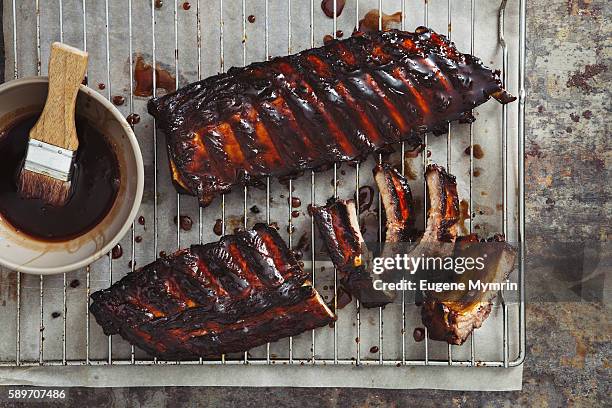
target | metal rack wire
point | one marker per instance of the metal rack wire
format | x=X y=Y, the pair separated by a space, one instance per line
x=315 y=351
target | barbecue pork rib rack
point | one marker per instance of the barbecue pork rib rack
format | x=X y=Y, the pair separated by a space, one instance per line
x=306 y=111
x=222 y=297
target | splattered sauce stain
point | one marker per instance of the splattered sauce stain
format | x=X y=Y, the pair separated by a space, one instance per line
x=369 y=22
x=143 y=76
x=185 y=222
x=478 y=151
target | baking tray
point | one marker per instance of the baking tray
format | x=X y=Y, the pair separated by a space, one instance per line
x=46 y=320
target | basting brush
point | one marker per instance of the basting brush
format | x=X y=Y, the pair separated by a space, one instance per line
x=53 y=143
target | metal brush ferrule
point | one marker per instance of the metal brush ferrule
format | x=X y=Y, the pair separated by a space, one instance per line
x=50 y=160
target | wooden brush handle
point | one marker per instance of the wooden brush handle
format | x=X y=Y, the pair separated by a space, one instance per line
x=56 y=125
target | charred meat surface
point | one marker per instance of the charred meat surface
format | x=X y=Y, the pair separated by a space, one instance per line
x=451 y=316
x=339 y=102
x=398 y=203
x=338 y=224
x=222 y=297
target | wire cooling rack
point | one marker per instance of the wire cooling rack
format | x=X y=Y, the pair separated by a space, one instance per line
x=46 y=319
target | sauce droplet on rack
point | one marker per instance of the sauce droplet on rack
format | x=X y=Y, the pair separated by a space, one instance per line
x=185 y=222
x=251 y=19
x=138 y=239
x=118 y=100
x=133 y=119
x=327 y=39
x=370 y=21
x=418 y=334
x=117 y=251
x=328 y=7
x=295 y=202
x=101 y=86
x=218 y=228
x=186 y=5
x=75 y=283
x=158 y=4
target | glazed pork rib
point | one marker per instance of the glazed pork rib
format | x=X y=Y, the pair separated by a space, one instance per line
x=452 y=316
x=443 y=213
x=222 y=297
x=339 y=102
x=338 y=224
x=397 y=202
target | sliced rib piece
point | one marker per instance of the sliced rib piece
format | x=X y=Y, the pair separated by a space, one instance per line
x=397 y=201
x=222 y=297
x=338 y=224
x=443 y=212
x=339 y=102
x=451 y=316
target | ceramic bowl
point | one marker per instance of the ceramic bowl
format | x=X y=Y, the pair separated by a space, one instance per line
x=23 y=253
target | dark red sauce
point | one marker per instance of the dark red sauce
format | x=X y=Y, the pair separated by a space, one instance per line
x=328 y=7
x=133 y=119
x=117 y=251
x=143 y=76
x=95 y=184
x=118 y=100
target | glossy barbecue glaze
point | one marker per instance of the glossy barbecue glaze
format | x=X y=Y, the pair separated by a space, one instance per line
x=338 y=225
x=222 y=297
x=339 y=102
x=443 y=213
x=398 y=203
